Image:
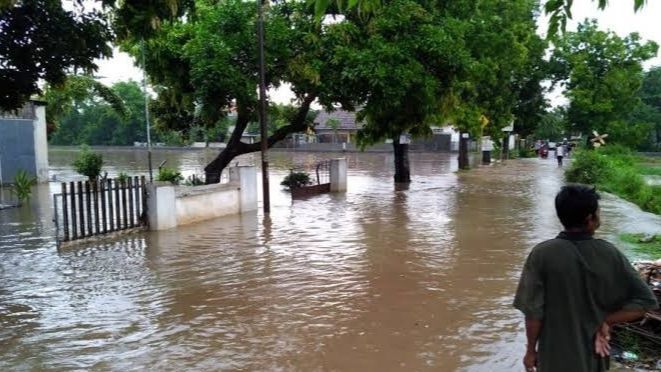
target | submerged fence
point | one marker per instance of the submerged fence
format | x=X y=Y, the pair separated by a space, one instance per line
x=91 y=208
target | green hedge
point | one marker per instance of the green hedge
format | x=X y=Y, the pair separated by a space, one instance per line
x=615 y=170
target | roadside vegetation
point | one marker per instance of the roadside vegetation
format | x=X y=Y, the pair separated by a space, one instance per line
x=617 y=170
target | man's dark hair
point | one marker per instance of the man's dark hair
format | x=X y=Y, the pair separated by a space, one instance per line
x=574 y=203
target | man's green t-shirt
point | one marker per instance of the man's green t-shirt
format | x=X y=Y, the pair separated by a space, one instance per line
x=571 y=283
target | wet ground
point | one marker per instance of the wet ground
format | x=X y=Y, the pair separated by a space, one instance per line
x=375 y=279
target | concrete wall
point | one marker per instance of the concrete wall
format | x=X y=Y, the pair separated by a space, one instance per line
x=199 y=203
x=170 y=206
x=23 y=143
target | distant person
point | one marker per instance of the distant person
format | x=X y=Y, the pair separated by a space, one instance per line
x=574 y=288
x=559 y=153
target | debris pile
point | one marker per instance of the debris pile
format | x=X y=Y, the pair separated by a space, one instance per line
x=639 y=344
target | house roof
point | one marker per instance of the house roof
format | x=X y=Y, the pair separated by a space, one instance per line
x=346 y=119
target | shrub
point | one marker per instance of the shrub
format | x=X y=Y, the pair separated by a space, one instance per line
x=296 y=179
x=525 y=152
x=169 y=175
x=23 y=183
x=88 y=163
x=589 y=167
x=123 y=178
x=194 y=180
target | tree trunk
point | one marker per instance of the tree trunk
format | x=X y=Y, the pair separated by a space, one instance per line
x=402 y=168
x=504 y=151
x=463 y=152
x=235 y=147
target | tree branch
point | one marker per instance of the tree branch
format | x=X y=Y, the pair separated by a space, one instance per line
x=297 y=125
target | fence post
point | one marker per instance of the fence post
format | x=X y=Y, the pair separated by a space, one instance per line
x=81 y=205
x=130 y=192
x=124 y=205
x=65 y=212
x=95 y=192
x=118 y=210
x=136 y=196
x=143 y=215
x=88 y=206
x=111 y=214
x=104 y=216
x=74 y=221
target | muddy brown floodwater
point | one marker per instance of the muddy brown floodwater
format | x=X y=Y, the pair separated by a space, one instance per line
x=376 y=279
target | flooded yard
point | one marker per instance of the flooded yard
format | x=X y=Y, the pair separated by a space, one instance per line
x=373 y=279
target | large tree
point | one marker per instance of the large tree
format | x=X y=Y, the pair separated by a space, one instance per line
x=41 y=40
x=646 y=117
x=205 y=67
x=89 y=119
x=602 y=74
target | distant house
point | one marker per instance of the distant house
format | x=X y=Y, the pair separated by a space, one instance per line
x=338 y=126
x=23 y=142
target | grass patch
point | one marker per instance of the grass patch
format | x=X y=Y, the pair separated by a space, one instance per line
x=615 y=170
x=650 y=170
x=643 y=244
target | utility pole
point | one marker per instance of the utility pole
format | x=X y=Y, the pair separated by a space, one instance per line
x=144 y=92
x=262 y=108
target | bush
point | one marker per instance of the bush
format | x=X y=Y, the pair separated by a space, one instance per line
x=122 y=178
x=169 y=175
x=616 y=173
x=525 y=152
x=194 y=180
x=296 y=179
x=88 y=163
x=23 y=183
x=589 y=167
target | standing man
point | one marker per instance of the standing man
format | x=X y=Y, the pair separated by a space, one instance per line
x=574 y=288
x=559 y=153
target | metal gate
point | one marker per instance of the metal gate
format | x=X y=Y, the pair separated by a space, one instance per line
x=92 y=208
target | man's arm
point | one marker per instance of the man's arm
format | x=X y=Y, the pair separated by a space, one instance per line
x=533 y=328
x=624 y=315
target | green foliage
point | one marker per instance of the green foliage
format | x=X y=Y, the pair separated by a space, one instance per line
x=88 y=163
x=647 y=115
x=194 y=180
x=552 y=125
x=614 y=170
x=650 y=170
x=560 y=10
x=62 y=99
x=23 y=183
x=123 y=178
x=642 y=243
x=602 y=73
x=41 y=40
x=525 y=152
x=295 y=180
x=166 y=174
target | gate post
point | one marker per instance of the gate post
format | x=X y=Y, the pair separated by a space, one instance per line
x=338 y=175
x=246 y=177
x=161 y=207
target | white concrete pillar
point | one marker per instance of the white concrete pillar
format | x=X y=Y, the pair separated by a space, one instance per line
x=161 y=207
x=338 y=175
x=246 y=177
x=40 y=142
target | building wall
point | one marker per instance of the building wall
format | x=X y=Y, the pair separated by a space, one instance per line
x=23 y=143
x=17 y=147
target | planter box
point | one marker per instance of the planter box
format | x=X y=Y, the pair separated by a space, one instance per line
x=306 y=191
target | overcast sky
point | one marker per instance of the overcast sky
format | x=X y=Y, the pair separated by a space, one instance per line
x=618 y=17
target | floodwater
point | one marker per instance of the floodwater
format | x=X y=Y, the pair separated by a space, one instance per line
x=376 y=279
